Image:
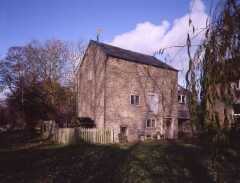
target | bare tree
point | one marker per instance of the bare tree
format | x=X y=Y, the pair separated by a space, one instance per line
x=38 y=70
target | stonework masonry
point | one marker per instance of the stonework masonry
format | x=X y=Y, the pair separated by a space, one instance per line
x=105 y=85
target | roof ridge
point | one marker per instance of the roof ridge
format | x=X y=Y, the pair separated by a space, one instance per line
x=101 y=43
x=133 y=56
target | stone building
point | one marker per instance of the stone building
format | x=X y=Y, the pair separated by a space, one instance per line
x=184 y=126
x=133 y=93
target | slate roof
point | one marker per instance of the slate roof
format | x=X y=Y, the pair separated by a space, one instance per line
x=132 y=56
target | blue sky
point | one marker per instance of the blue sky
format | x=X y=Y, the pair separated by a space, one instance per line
x=140 y=25
x=24 y=20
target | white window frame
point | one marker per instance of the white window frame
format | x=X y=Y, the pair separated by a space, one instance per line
x=134 y=99
x=235 y=114
x=151 y=123
x=184 y=97
x=181 y=99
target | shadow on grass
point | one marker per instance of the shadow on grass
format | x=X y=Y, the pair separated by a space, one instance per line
x=54 y=163
x=18 y=139
x=153 y=162
x=166 y=163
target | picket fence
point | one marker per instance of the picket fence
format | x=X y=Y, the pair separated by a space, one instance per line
x=80 y=135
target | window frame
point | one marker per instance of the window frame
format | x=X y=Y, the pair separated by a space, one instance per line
x=152 y=121
x=135 y=96
x=235 y=114
x=181 y=101
x=184 y=97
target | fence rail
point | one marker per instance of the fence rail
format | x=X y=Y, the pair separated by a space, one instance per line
x=79 y=135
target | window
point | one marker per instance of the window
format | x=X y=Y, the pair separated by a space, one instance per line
x=238 y=85
x=150 y=123
x=90 y=75
x=153 y=100
x=44 y=128
x=181 y=99
x=236 y=109
x=236 y=114
x=134 y=100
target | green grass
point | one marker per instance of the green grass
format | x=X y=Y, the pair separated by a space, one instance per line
x=149 y=163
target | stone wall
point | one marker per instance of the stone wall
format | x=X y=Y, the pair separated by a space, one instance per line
x=125 y=78
x=105 y=96
x=90 y=86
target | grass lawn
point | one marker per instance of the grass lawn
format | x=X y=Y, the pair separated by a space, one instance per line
x=24 y=159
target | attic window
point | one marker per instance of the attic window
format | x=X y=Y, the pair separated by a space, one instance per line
x=134 y=100
x=150 y=123
x=181 y=99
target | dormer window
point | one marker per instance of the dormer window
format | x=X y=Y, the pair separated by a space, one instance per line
x=181 y=99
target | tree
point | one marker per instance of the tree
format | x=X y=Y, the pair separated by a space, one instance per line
x=216 y=61
x=35 y=75
x=211 y=73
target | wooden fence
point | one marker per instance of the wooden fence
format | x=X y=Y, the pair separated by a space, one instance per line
x=79 y=135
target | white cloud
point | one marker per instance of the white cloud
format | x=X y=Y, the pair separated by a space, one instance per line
x=142 y=37
x=148 y=37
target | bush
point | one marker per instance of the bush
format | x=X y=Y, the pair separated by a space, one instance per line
x=86 y=122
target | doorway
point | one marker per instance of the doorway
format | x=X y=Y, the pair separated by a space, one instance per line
x=167 y=127
x=123 y=134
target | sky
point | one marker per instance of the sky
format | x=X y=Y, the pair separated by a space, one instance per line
x=139 y=25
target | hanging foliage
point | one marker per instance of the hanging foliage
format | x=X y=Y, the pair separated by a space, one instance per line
x=216 y=66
